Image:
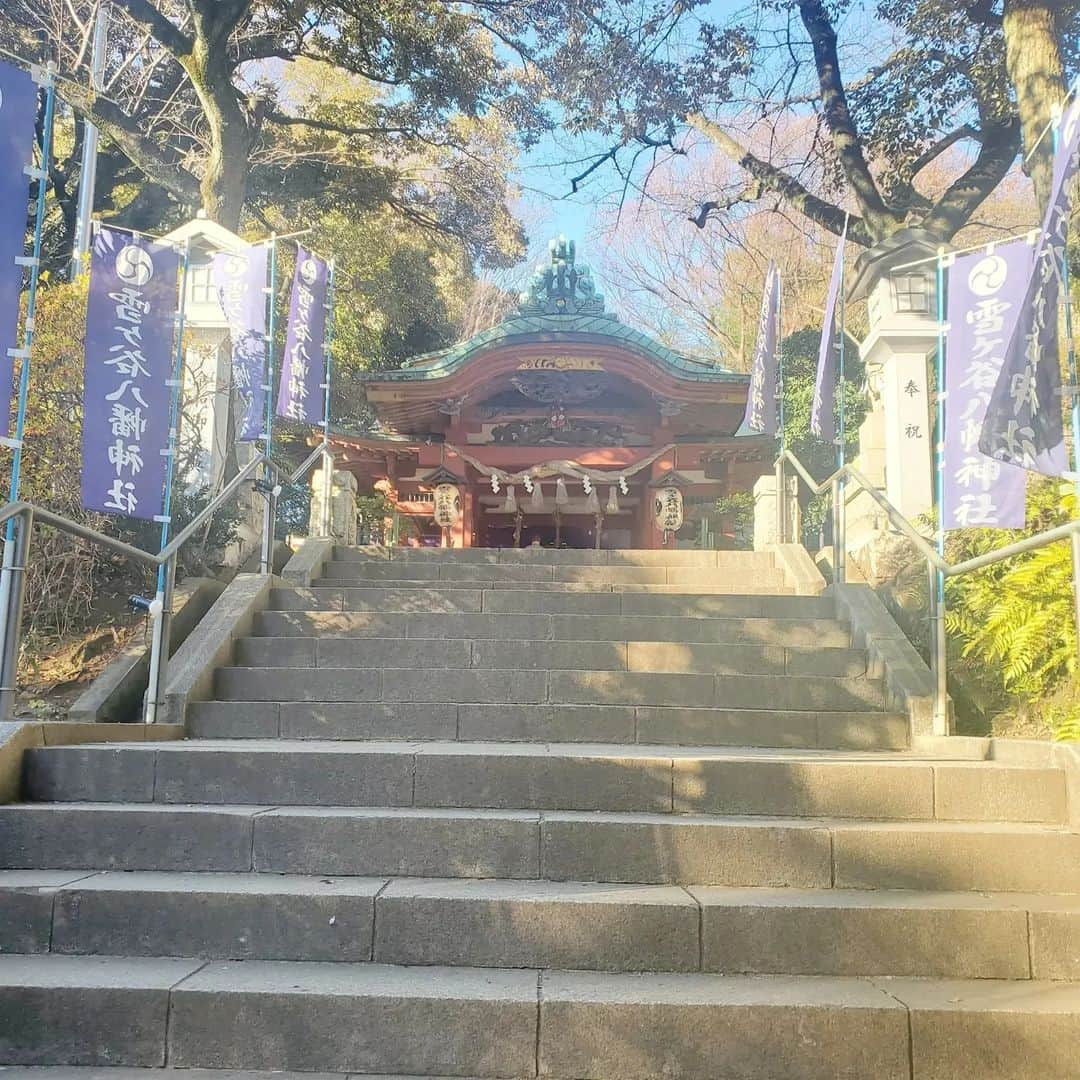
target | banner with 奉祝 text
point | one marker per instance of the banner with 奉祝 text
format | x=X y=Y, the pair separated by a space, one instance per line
x=984 y=290
x=18 y=111
x=303 y=368
x=240 y=280
x=130 y=325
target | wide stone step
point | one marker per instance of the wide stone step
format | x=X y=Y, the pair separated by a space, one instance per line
x=523 y=687
x=543 y=924
x=551 y=777
x=548 y=723
x=559 y=845
x=734 y=560
x=768 y=586
x=761 y=573
x=634 y=655
x=820 y=633
x=375 y=1018
x=552 y=600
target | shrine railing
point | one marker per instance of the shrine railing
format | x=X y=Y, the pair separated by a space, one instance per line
x=937 y=567
x=264 y=475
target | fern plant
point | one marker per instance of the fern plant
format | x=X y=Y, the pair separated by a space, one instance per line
x=1018 y=617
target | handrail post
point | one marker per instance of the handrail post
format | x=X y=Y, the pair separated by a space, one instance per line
x=13 y=612
x=838 y=539
x=1074 y=540
x=269 y=521
x=326 y=516
x=160 y=643
x=938 y=649
x=781 y=501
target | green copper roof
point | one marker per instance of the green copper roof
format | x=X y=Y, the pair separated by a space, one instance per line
x=556 y=329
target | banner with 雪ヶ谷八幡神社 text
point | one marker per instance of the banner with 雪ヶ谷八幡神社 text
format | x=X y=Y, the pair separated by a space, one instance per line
x=303 y=367
x=18 y=111
x=240 y=280
x=130 y=328
x=984 y=294
x=1024 y=423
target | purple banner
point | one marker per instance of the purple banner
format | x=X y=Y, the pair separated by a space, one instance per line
x=303 y=370
x=18 y=111
x=130 y=323
x=983 y=309
x=822 y=411
x=240 y=280
x=1024 y=420
x=761 y=402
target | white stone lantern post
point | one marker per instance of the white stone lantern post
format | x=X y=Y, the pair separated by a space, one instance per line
x=896 y=439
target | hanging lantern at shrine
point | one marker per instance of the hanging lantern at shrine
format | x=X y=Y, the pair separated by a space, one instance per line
x=510 y=506
x=668 y=509
x=612 y=501
x=447 y=505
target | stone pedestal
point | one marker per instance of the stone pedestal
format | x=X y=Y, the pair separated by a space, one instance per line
x=342 y=505
x=765 y=532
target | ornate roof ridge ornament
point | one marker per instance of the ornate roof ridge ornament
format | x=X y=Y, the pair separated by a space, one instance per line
x=561 y=286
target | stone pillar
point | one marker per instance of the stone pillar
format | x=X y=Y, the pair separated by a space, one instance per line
x=765 y=532
x=342 y=504
x=896 y=438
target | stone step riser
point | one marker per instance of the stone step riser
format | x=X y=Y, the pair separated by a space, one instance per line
x=543 y=925
x=447 y=573
x=478 y=778
x=634 y=655
x=736 y=561
x=565 y=687
x=560 y=846
x=822 y=633
x=623 y=724
x=568 y=601
x=365 y=1019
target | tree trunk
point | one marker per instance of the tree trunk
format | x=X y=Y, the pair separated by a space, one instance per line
x=1033 y=60
x=224 y=180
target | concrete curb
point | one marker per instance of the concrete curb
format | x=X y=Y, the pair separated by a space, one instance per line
x=799 y=569
x=116 y=694
x=1025 y=752
x=21 y=735
x=306 y=565
x=909 y=683
x=191 y=671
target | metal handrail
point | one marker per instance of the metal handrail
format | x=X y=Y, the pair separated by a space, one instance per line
x=936 y=563
x=28 y=515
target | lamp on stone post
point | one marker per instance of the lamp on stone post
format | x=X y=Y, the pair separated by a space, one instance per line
x=897 y=280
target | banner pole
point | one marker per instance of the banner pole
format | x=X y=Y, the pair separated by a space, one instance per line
x=88 y=167
x=166 y=579
x=7 y=569
x=941 y=722
x=328 y=458
x=266 y=561
x=1074 y=394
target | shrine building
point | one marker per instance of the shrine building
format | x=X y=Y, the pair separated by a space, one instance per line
x=562 y=426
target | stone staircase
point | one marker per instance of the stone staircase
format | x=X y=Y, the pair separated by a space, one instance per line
x=589 y=816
